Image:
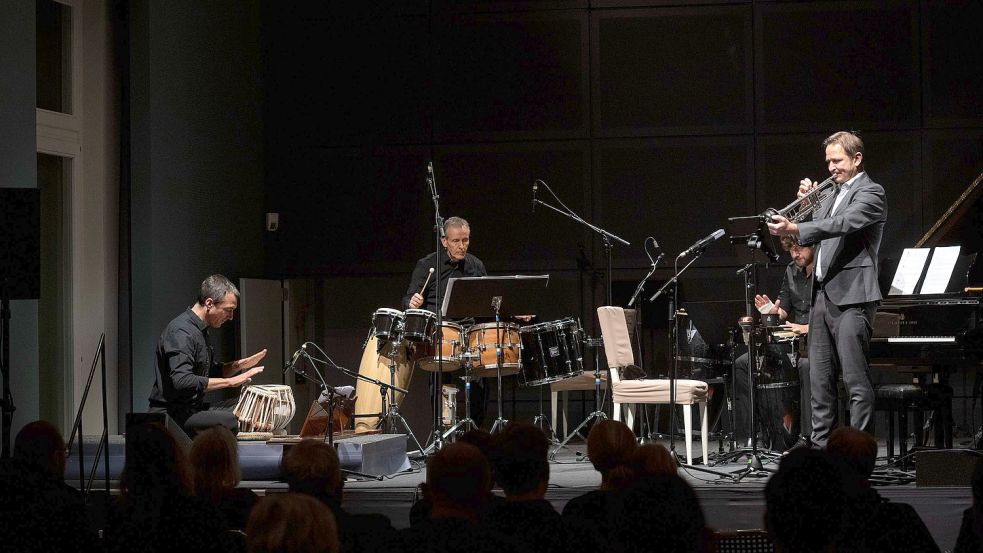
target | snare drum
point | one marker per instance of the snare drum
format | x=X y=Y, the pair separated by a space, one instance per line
x=444 y=350
x=265 y=408
x=386 y=326
x=483 y=342
x=550 y=352
x=419 y=325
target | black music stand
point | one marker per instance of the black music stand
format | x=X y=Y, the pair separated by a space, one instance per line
x=509 y=295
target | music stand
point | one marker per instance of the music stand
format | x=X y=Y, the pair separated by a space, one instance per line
x=510 y=295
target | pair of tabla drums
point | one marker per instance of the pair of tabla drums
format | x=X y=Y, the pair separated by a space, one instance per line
x=539 y=354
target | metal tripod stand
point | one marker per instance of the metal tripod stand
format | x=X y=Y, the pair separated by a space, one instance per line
x=390 y=417
x=597 y=414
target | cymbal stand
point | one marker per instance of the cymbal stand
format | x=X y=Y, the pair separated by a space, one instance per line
x=597 y=414
x=500 y=422
x=466 y=424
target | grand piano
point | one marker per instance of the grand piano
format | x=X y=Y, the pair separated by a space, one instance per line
x=935 y=334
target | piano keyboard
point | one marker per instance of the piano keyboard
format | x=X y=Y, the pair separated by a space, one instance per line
x=917 y=339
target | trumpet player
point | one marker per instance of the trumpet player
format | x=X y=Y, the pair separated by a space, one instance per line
x=846 y=229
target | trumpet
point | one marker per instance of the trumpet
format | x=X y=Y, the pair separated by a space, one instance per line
x=803 y=207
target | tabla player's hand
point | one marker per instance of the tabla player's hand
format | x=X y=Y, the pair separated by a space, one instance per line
x=799 y=329
x=760 y=300
x=416 y=301
x=247 y=376
x=250 y=361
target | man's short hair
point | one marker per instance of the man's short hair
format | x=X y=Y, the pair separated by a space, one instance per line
x=849 y=140
x=39 y=445
x=804 y=501
x=455 y=222
x=216 y=287
x=521 y=458
x=311 y=467
x=789 y=242
x=459 y=476
x=855 y=448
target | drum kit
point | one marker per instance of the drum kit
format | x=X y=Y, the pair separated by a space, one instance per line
x=539 y=354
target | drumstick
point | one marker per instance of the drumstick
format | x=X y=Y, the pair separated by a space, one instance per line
x=425 y=282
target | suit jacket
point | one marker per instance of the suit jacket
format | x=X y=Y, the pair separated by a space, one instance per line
x=850 y=239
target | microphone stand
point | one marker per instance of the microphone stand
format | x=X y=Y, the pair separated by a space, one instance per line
x=605 y=235
x=436 y=437
x=673 y=367
x=644 y=428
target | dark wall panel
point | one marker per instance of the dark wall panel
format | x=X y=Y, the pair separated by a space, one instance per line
x=675 y=189
x=671 y=71
x=953 y=160
x=480 y=6
x=348 y=80
x=511 y=76
x=842 y=64
x=491 y=187
x=953 y=62
x=350 y=211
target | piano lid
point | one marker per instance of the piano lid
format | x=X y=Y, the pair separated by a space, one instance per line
x=961 y=225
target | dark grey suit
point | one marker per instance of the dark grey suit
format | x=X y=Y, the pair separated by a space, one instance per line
x=844 y=302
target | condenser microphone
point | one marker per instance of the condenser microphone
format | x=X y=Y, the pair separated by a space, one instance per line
x=535 y=187
x=704 y=242
x=293 y=360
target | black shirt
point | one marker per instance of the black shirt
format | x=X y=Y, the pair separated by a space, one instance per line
x=184 y=361
x=469 y=266
x=796 y=295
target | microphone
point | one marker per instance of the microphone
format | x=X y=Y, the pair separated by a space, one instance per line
x=293 y=360
x=704 y=242
x=430 y=172
x=535 y=187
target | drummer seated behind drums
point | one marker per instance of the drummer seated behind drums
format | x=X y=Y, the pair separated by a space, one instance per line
x=455 y=262
x=792 y=308
x=186 y=367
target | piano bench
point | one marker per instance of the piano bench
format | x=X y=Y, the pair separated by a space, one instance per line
x=898 y=400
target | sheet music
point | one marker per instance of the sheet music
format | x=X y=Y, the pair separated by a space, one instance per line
x=940 y=270
x=909 y=270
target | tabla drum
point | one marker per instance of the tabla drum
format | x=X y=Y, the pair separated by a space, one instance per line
x=265 y=408
x=483 y=343
x=386 y=326
x=419 y=325
x=444 y=350
x=550 y=352
x=778 y=397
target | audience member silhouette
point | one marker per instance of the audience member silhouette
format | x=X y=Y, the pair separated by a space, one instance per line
x=872 y=524
x=657 y=513
x=484 y=441
x=521 y=465
x=610 y=447
x=804 y=503
x=970 y=538
x=458 y=480
x=40 y=511
x=311 y=467
x=291 y=523
x=215 y=461
x=156 y=511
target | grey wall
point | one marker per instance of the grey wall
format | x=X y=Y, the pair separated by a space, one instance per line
x=197 y=167
x=18 y=169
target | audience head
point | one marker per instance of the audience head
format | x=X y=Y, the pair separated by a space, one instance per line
x=521 y=461
x=804 y=501
x=458 y=482
x=155 y=465
x=40 y=447
x=662 y=510
x=610 y=445
x=855 y=449
x=214 y=460
x=651 y=460
x=291 y=523
x=312 y=467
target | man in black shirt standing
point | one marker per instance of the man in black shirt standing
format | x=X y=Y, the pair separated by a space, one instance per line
x=792 y=307
x=455 y=261
x=185 y=364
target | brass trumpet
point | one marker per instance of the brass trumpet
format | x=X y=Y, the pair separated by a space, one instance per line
x=803 y=207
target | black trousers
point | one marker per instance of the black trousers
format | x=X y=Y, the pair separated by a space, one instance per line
x=194 y=419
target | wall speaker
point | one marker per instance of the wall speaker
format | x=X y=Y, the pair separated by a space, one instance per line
x=945 y=467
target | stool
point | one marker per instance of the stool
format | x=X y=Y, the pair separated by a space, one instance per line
x=899 y=399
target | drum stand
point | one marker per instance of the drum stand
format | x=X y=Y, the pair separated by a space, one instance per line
x=500 y=421
x=390 y=417
x=466 y=424
x=596 y=414
x=542 y=422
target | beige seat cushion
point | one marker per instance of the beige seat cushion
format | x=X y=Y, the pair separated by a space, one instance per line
x=583 y=381
x=657 y=391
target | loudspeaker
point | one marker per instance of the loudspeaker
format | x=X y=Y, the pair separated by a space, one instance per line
x=175 y=430
x=945 y=467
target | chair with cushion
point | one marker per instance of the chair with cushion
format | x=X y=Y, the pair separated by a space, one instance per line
x=624 y=393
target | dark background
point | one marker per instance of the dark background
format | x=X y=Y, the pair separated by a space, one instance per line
x=648 y=118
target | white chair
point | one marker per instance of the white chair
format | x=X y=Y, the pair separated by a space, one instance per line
x=617 y=348
x=580 y=383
